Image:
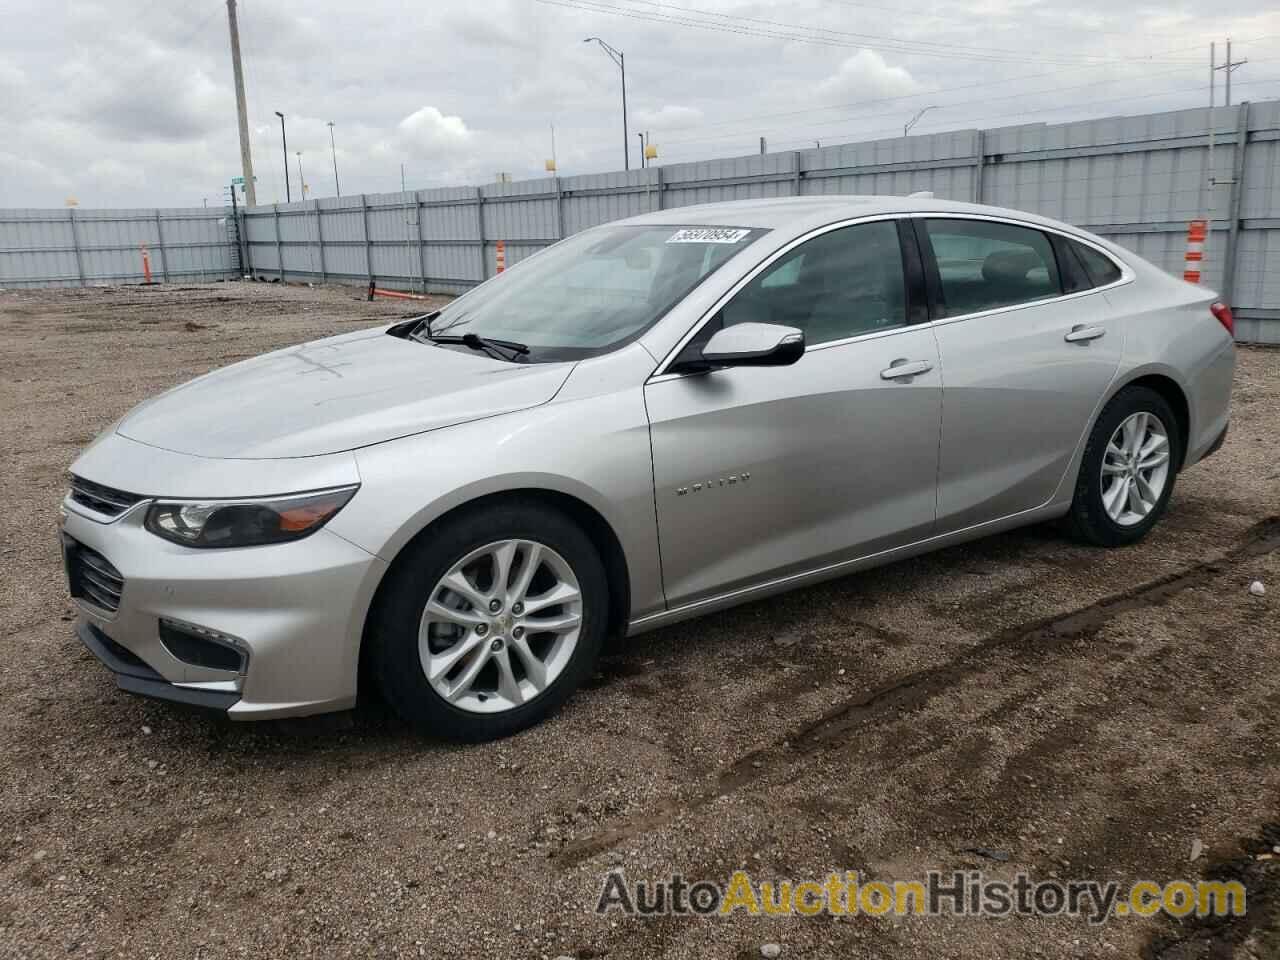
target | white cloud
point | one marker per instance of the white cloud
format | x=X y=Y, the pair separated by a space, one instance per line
x=866 y=75
x=430 y=130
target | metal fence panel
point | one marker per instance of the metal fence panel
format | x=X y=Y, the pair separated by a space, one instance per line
x=73 y=247
x=1136 y=180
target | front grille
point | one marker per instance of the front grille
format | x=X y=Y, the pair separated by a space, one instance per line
x=91 y=576
x=100 y=499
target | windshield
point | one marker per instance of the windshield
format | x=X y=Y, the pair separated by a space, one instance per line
x=595 y=291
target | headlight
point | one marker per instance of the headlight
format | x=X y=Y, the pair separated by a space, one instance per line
x=245 y=523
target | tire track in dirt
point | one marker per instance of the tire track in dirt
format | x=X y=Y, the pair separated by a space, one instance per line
x=1256 y=933
x=830 y=730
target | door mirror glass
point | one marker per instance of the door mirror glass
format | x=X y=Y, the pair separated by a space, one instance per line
x=754 y=345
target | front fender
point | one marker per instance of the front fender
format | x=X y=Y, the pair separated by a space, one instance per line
x=595 y=450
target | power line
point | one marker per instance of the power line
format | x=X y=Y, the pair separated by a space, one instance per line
x=968 y=21
x=781 y=33
x=896 y=130
x=933 y=92
x=862 y=37
x=941 y=106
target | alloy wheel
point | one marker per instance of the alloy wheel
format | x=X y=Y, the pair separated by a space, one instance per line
x=500 y=626
x=1135 y=468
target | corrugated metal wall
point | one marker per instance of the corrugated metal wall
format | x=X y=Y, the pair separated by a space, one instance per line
x=72 y=247
x=1137 y=180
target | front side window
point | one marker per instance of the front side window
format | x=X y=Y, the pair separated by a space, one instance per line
x=840 y=284
x=595 y=291
x=983 y=264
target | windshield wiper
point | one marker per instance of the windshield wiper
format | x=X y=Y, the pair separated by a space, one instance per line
x=420 y=331
x=490 y=345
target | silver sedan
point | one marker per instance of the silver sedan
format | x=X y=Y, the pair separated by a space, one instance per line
x=651 y=420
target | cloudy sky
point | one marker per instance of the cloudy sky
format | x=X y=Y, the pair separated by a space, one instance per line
x=131 y=103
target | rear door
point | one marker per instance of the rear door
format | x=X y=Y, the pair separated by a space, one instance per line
x=763 y=472
x=1028 y=348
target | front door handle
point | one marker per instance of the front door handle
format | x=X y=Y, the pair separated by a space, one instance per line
x=1083 y=332
x=903 y=368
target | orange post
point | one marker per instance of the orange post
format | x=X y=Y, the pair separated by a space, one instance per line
x=394 y=294
x=146 y=264
x=1197 y=233
x=501 y=256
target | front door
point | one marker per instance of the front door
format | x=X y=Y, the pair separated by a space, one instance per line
x=762 y=472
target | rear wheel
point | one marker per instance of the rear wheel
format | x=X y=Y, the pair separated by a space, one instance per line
x=489 y=622
x=1128 y=470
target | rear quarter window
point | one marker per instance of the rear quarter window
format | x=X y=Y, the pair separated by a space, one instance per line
x=1101 y=269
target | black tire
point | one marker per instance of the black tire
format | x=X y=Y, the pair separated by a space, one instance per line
x=394 y=622
x=1088 y=519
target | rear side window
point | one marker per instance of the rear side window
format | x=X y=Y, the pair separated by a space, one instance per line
x=1100 y=268
x=983 y=265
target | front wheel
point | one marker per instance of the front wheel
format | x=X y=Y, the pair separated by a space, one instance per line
x=1127 y=473
x=489 y=622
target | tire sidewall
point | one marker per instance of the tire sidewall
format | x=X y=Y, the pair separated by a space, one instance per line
x=419 y=568
x=1088 y=510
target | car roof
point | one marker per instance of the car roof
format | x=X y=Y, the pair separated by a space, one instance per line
x=802 y=213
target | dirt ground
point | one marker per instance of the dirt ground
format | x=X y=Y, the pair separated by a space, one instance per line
x=1089 y=713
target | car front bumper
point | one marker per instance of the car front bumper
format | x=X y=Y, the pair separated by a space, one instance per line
x=293 y=613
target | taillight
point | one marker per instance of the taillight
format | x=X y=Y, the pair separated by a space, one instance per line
x=1223 y=314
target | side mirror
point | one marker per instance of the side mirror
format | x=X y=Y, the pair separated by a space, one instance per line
x=755 y=345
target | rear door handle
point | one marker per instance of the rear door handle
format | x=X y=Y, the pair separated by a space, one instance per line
x=1082 y=333
x=902 y=369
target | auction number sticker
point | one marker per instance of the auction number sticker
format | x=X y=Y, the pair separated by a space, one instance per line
x=708 y=235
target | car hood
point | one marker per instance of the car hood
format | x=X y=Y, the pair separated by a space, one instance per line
x=336 y=394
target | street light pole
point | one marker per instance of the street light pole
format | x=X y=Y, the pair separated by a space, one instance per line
x=284 y=150
x=334 y=150
x=906 y=128
x=617 y=57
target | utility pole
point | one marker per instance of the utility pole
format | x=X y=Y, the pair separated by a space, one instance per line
x=302 y=182
x=242 y=113
x=284 y=148
x=1213 y=69
x=334 y=150
x=1227 y=68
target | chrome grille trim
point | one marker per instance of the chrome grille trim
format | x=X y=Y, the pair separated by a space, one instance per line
x=103 y=500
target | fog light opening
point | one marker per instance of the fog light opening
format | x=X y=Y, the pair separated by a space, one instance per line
x=204 y=647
